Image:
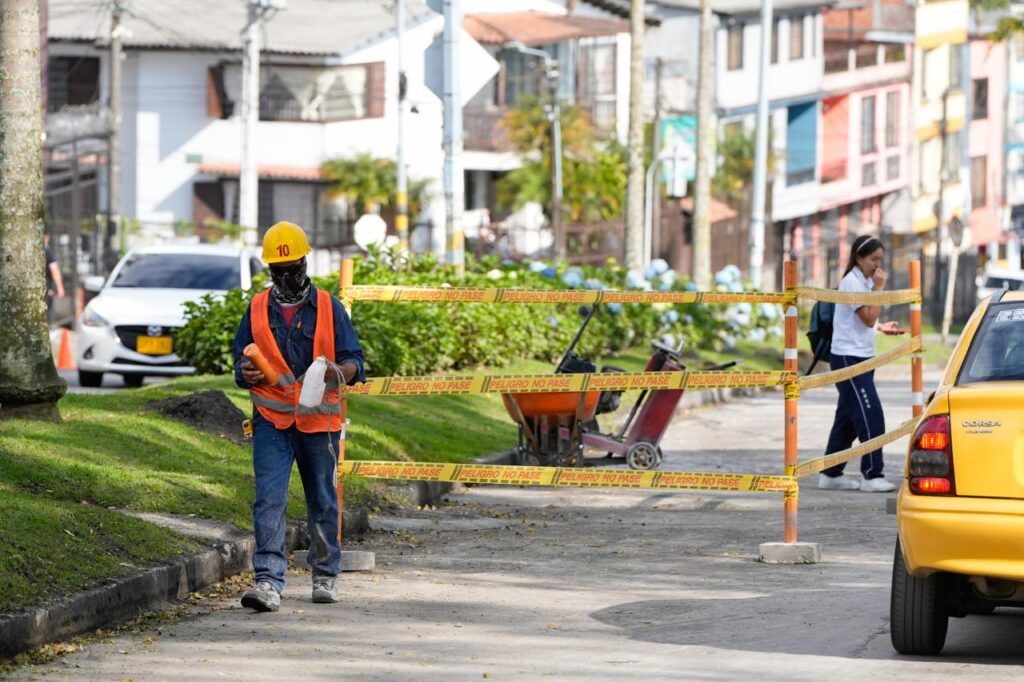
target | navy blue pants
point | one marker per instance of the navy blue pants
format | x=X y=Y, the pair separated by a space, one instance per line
x=858 y=415
x=273 y=453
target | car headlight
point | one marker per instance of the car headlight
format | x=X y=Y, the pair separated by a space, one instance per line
x=91 y=319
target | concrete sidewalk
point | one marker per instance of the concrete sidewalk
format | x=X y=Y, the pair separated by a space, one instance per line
x=510 y=583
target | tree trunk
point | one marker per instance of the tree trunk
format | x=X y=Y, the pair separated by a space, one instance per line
x=29 y=384
x=635 y=185
x=705 y=155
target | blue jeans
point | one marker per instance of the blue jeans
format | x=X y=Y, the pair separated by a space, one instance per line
x=273 y=453
x=858 y=415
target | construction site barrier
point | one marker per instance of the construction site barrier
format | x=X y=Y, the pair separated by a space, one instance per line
x=586 y=297
x=570 y=476
x=557 y=383
x=676 y=480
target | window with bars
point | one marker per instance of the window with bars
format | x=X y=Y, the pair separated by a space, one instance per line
x=892 y=119
x=72 y=81
x=867 y=125
x=979 y=181
x=735 y=57
x=980 y=98
x=796 y=38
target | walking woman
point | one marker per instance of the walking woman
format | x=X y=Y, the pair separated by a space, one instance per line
x=859 y=413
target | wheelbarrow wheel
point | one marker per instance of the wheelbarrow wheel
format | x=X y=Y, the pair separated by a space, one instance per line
x=643 y=456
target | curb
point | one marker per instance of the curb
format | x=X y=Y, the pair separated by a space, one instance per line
x=121 y=600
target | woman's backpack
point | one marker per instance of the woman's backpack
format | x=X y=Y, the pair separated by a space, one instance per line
x=820 y=332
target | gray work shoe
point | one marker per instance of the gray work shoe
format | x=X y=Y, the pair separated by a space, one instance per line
x=263 y=597
x=323 y=590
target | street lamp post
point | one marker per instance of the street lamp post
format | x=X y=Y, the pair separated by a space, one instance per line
x=554 y=112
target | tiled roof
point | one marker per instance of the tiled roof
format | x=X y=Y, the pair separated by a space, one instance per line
x=230 y=169
x=537 y=28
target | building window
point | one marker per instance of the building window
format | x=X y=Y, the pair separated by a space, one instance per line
x=951 y=163
x=72 y=81
x=867 y=174
x=892 y=168
x=956 y=66
x=302 y=93
x=867 y=125
x=736 y=47
x=802 y=136
x=796 y=38
x=980 y=98
x=892 y=119
x=979 y=181
x=775 y=42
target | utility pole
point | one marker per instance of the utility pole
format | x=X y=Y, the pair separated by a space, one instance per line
x=706 y=130
x=454 y=181
x=757 y=213
x=555 y=114
x=635 y=180
x=248 y=177
x=402 y=186
x=655 y=201
x=939 y=212
x=114 y=145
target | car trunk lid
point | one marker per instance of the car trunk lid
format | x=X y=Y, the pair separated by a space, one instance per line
x=987 y=428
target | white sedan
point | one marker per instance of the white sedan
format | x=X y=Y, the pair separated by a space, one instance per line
x=129 y=327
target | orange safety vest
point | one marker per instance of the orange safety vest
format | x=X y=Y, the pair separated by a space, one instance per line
x=280 y=403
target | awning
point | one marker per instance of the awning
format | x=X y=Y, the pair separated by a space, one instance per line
x=537 y=28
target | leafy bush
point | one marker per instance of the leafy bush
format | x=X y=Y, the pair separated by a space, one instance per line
x=421 y=338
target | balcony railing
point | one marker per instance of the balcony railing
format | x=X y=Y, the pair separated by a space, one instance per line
x=841 y=56
x=482 y=129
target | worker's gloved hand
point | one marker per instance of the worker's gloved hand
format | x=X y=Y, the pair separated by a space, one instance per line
x=250 y=373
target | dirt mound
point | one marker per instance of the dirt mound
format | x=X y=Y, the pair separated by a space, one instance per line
x=209 y=411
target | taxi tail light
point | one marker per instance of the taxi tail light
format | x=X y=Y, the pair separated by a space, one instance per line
x=931 y=458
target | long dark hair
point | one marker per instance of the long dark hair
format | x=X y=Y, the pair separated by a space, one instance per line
x=862 y=246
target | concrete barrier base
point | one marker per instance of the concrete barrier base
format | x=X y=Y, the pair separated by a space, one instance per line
x=790 y=553
x=351 y=560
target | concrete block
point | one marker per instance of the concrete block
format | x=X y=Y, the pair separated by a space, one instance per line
x=790 y=553
x=351 y=560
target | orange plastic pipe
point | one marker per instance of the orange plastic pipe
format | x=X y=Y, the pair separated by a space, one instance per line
x=252 y=352
x=345 y=279
x=792 y=398
x=916 y=364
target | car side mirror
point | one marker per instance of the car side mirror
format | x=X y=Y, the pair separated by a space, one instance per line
x=93 y=283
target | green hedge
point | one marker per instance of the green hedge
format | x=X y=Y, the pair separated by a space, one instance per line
x=421 y=338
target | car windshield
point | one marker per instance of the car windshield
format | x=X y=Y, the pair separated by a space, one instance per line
x=993 y=282
x=179 y=271
x=997 y=351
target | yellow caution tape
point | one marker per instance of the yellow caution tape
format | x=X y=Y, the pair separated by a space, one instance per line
x=563 y=476
x=834 y=377
x=817 y=464
x=560 y=383
x=365 y=292
x=856 y=298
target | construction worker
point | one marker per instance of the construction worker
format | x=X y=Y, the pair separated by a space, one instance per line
x=292 y=323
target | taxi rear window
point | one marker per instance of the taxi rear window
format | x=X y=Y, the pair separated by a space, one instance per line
x=997 y=351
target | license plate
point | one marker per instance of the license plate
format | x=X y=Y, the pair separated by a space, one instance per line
x=155 y=345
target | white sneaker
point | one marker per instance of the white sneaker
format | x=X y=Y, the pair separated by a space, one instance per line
x=841 y=482
x=877 y=485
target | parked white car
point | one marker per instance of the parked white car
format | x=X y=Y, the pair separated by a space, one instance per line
x=994 y=280
x=129 y=328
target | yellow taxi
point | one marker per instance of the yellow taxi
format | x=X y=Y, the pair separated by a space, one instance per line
x=960 y=549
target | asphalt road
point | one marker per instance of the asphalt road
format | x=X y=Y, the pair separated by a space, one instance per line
x=515 y=583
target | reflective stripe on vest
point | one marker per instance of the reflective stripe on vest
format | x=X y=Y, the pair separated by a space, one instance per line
x=279 y=403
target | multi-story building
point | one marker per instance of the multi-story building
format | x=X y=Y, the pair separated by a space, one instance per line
x=984 y=203
x=1014 y=156
x=329 y=89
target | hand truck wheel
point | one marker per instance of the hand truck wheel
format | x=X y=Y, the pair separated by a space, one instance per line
x=643 y=456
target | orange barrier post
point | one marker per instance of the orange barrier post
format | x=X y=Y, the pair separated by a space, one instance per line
x=916 y=362
x=344 y=282
x=792 y=398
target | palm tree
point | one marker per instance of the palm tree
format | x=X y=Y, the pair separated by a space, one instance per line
x=29 y=384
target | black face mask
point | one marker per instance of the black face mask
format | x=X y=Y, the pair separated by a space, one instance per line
x=291 y=283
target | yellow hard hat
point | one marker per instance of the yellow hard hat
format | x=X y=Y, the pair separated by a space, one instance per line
x=284 y=242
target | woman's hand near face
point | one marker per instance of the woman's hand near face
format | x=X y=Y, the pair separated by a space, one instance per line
x=881 y=277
